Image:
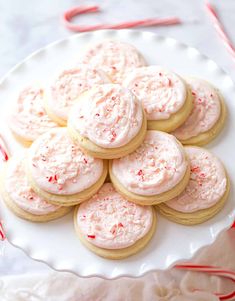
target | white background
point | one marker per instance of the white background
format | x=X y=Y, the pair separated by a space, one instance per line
x=27 y=25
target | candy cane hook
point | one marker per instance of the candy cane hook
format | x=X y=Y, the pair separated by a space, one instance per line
x=213 y=271
x=68 y=16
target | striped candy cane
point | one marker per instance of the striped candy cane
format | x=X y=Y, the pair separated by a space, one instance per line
x=68 y=16
x=4 y=156
x=2 y=233
x=220 y=29
x=213 y=271
x=3 y=149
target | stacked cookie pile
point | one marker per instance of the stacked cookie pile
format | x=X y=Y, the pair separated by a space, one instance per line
x=108 y=135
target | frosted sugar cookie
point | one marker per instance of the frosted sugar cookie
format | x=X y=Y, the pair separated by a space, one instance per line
x=28 y=118
x=114 y=57
x=21 y=199
x=59 y=171
x=164 y=95
x=67 y=87
x=205 y=194
x=107 y=122
x=207 y=117
x=155 y=172
x=113 y=227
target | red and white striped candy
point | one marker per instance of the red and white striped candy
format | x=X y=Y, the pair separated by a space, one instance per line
x=5 y=156
x=68 y=16
x=213 y=271
x=220 y=29
x=2 y=233
x=3 y=149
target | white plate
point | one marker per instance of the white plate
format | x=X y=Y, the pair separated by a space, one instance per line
x=56 y=243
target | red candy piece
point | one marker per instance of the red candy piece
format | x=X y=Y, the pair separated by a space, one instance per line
x=91 y=236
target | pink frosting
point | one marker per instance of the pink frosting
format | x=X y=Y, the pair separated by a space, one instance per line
x=59 y=166
x=205 y=113
x=161 y=92
x=114 y=57
x=69 y=85
x=28 y=118
x=156 y=166
x=109 y=221
x=207 y=182
x=109 y=115
x=20 y=192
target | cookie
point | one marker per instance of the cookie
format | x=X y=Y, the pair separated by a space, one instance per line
x=165 y=96
x=207 y=117
x=155 y=172
x=67 y=87
x=205 y=194
x=59 y=171
x=112 y=227
x=107 y=122
x=21 y=199
x=114 y=57
x=28 y=118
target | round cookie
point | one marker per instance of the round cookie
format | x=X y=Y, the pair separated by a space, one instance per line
x=165 y=96
x=205 y=194
x=67 y=87
x=207 y=117
x=112 y=227
x=21 y=199
x=155 y=172
x=114 y=57
x=59 y=171
x=28 y=118
x=107 y=122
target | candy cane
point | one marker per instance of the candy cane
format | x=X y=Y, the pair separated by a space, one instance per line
x=220 y=29
x=3 y=149
x=2 y=233
x=68 y=16
x=5 y=156
x=214 y=271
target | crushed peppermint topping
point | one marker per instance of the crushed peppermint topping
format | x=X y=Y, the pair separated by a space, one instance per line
x=112 y=116
x=67 y=168
x=113 y=221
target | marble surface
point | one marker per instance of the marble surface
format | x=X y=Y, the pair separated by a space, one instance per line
x=27 y=25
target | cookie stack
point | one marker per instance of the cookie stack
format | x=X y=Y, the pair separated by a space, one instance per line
x=107 y=137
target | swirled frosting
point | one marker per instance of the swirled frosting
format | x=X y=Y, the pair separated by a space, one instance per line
x=205 y=113
x=207 y=182
x=156 y=166
x=59 y=166
x=114 y=57
x=109 y=115
x=20 y=192
x=28 y=118
x=161 y=91
x=69 y=85
x=109 y=221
